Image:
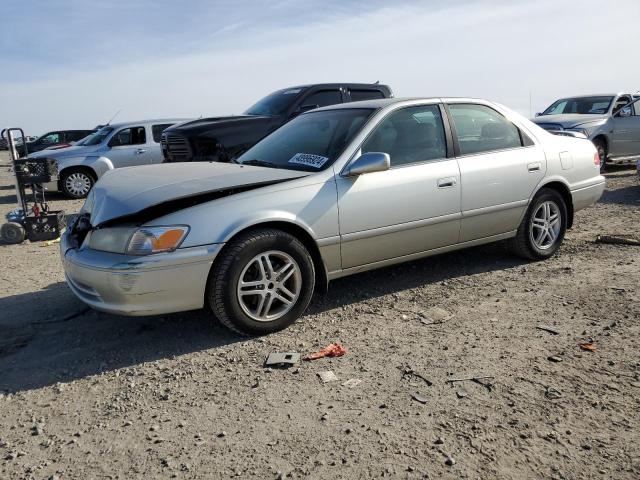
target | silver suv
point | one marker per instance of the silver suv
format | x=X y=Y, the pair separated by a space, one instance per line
x=610 y=121
x=113 y=146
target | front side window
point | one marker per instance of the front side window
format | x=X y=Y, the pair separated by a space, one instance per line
x=323 y=98
x=481 y=129
x=50 y=139
x=310 y=142
x=156 y=131
x=410 y=135
x=358 y=95
x=129 y=136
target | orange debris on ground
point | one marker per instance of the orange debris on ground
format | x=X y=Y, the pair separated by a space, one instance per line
x=332 y=350
x=590 y=347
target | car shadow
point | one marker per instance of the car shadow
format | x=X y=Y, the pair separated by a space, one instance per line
x=49 y=336
x=622 y=196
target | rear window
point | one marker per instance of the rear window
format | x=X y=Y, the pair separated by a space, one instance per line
x=358 y=95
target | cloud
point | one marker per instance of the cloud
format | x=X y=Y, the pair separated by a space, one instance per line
x=491 y=49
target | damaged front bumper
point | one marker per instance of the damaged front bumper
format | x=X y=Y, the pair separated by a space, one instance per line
x=138 y=285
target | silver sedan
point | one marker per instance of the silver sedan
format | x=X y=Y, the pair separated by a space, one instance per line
x=338 y=190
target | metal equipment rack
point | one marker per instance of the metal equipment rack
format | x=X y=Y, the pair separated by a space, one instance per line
x=32 y=219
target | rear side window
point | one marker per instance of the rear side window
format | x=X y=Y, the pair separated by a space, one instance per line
x=323 y=98
x=358 y=95
x=481 y=129
x=410 y=135
x=129 y=136
x=156 y=131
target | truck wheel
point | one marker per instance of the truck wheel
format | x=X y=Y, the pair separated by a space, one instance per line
x=262 y=283
x=12 y=233
x=542 y=230
x=602 y=152
x=76 y=182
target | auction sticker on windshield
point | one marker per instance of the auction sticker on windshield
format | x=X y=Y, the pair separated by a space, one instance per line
x=309 y=159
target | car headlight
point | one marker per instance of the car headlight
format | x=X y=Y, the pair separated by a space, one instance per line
x=138 y=241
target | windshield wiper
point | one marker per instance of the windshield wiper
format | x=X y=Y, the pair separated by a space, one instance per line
x=259 y=163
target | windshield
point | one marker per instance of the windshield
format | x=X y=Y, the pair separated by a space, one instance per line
x=276 y=103
x=311 y=142
x=97 y=137
x=580 y=105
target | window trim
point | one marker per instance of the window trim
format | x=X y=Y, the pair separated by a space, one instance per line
x=456 y=143
x=448 y=149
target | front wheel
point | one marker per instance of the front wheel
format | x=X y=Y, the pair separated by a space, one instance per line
x=542 y=230
x=12 y=233
x=76 y=183
x=262 y=282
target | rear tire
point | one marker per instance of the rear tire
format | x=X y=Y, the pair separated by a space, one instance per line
x=12 y=233
x=76 y=183
x=262 y=282
x=601 y=146
x=543 y=227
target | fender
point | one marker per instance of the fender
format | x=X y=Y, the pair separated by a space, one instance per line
x=98 y=164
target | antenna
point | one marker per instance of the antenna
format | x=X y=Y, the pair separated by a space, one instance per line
x=114 y=116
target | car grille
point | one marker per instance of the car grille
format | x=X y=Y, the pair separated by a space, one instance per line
x=551 y=126
x=175 y=148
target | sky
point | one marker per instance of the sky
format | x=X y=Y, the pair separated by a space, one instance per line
x=68 y=64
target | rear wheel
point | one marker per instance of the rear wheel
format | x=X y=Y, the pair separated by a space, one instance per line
x=542 y=230
x=262 y=282
x=76 y=182
x=601 y=146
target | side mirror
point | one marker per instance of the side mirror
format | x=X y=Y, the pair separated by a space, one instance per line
x=368 y=163
x=302 y=109
x=538 y=114
x=625 y=112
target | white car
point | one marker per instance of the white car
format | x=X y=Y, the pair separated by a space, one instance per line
x=113 y=146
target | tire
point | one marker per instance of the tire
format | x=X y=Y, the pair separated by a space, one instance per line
x=601 y=146
x=248 y=258
x=76 y=183
x=12 y=233
x=526 y=242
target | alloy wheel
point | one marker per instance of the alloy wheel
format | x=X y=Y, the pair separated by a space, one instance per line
x=545 y=226
x=78 y=184
x=269 y=286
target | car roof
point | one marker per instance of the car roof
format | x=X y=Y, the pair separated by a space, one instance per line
x=385 y=102
x=144 y=122
x=340 y=84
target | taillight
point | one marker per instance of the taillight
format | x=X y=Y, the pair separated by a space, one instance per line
x=596 y=159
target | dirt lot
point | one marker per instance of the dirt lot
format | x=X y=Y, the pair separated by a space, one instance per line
x=87 y=395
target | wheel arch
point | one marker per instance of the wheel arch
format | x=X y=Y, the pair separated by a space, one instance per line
x=564 y=191
x=302 y=234
x=604 y=138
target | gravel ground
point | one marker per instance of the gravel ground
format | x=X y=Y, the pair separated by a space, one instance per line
x=89 y=395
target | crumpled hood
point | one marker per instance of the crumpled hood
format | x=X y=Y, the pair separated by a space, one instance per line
x=569 y=120
x=73 y=151
x=127 y=191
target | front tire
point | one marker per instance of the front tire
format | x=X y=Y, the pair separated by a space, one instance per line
x=262 y=282
x=76 y=183
x=542 y=230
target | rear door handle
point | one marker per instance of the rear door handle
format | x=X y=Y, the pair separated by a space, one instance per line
x=446 y=182
x=534 y=167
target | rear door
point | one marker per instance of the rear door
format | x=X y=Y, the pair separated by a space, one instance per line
x=500 y=166
x=626 y=131
x=415 y=205
x=128 y=147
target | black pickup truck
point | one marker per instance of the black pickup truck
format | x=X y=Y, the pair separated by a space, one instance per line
x=219 y=139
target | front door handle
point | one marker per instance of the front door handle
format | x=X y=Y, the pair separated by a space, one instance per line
x=446 y=182
x=140 y=151
x=534 y=167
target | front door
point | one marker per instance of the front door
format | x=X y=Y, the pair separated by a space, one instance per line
x=626 y=131
x=500 y=167
x=412 y=207
x=129 y=147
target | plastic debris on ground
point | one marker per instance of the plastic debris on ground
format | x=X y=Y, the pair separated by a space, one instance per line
x=332 y=350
